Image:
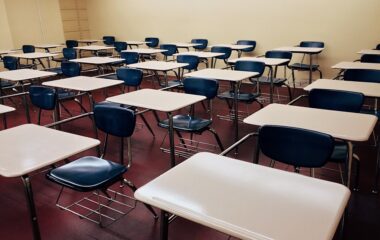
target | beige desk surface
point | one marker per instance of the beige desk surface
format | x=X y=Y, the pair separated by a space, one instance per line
x=164 y=101
x=357 y=65
x=43 y=46
x=34 y=55
x=342 y=125
x=6 y=109
x=267 y=61
x=97 y=60
x=157 y=65
x=367 y=88
x=94 y=48
x=369 y=51
x=185 y=45
x=24 y=74
x=222 y=74
x=146 y=50
x=200 y=54
x=300 y=49
x=83 y=83
x=4 y=51
x=233 y=46
x=136 y=42
x=31 y=147
x=248 y=201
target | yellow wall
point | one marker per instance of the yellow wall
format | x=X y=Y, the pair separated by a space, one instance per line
x=5 y=33
x=346 y=26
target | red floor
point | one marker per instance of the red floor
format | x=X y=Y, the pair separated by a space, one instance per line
x=363 y=220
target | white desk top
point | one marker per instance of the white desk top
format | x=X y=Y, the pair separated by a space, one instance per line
x=135 y=42
x=83 y=83
x=149 y=51
x=233 y=46
x=357 y=65
x=31 y=147
x=310 y=50
x=222 y=74
x=157 y=65
x=248 y=201
x=34 y=55
x=24 y=74
x=94 y=48
x=266 y=61
x=201 y=54
x=367 y=88
x=164 y=101
x=343 y=125
x=97 y=60
x=44 y=46
x=369 y=51
x=4 y=51
x=6 y=109
x=185 y=45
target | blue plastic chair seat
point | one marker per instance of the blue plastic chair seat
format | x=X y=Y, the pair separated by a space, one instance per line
x=173 y=83
x=111 y=76
x=4 y=84
x=243 y=97
x=339 y=153
x=276 y=81
x=187 y=123
x=302 y=66
x=64 y=94
x=87 y=174
x=57 y=70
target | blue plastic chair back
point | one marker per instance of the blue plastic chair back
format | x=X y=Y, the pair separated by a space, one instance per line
x=109 y=40
x=69 y=53
x=28 y=49
x=70 y=69
x=171 y=49
x=10 y=63
x=120 y=46
x=247 y=42
x=203 y=42
x=192 y=60
x=312 y=44
x=131 y=77
x=201 y=86
x=226 y=50
x=370 y=58
x=336 y=100
x=130 y=57
x=71 y=43
x=250 y=66
x=279 y=54
x=295 y=146
x=115 y=120
x=43 y=97
x=152 y=42
x=362 y=75
x=378 y=47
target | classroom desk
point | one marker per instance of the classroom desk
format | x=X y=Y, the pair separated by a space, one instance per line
x=245 y=200
x=304 y=50
x=356 y=65
x=99 y=62
x=269 y=62
x=47 y=47
x=232 y=76
x=163 y=101
x=203 y=55
x=235 y=47
x=135 y=43
x=35 y=56
x=159 y=66
x=369 y=51
x=4 y=52
x=187 y=46
x=3 y=111
x=89 y=41
x=22 y=75
x=93 y=48
x=145 y=51
x=347 y=126
x=31 y=148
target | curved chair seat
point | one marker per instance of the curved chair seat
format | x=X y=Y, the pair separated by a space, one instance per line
x=111 y=76
x=302 y=66
x=5 y=84
x=243 y=97
x=174 y=83
x=187 y=123
x=339 y=153
x=115 y=105
x=276 y=81
x=87 y=174
x=64 y=94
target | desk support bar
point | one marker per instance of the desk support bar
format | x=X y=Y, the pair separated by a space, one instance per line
x=68 y=120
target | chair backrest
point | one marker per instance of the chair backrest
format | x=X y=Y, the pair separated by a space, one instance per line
x=43 y=97
x=201 y=86
x=247 y=42
x=378 y=47
x=370 y=58
x=71 y=43
x=203 y=42
x=226 y=50
x=362 y=75
x=295 y=146
x=279 y=54
x=28 y=49
x=69 y=53
x=152 y=42
x=120 y=46
x=250 y=66
x=192 y=60
x=130 y=57
x=336 y=100
x=70 y=69
x=131 y=77
x=10 y=63
x=115 y=120
x=109 y=40
x=171 y=49
x=312 y=44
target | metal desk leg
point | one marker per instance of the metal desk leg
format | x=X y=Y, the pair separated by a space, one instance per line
x=311 y=69
x=236 y=120
x=171 y=140
x=164 y=226
x=271 y=75
x=349 y=165
x=31 y=207
x=5 y=121
x=91 y=100
x=25 y=101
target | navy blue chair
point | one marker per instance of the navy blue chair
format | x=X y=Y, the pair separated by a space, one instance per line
x=72 y=43
x=152 y=42
x=226 y=54
x=362 y=75
x=370 y=58
x=192 y=61
x=247 y=42
x=10 y=63
x=45 y=98
x=120 y=46
x=171 y=49
x=28 y=49
x=109 y=40
x=203 y=42
x=70 y=69
x=190 y=123
x=130 y=57
x=90 y=173
x=68 y=54
x=378 y=47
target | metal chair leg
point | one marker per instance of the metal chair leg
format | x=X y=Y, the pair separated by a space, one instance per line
x=147 y=124
x=217 y=138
